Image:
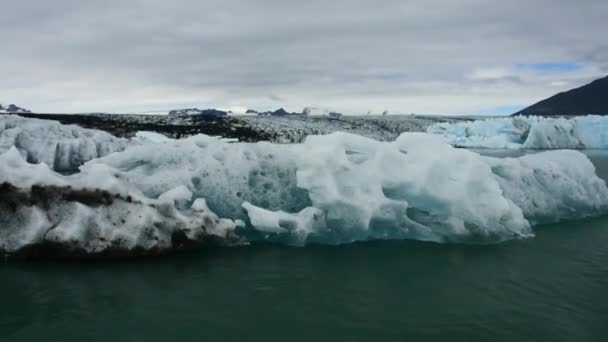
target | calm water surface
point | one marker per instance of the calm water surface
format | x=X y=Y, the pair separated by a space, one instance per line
x=551 y=288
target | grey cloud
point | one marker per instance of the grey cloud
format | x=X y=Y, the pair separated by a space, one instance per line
x=276 y=98
x=600 y=57
x=78 y=55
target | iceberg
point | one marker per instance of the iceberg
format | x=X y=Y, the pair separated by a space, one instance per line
x=551 y=186
x=154 y=194
x=586 y=132
x=341 y=188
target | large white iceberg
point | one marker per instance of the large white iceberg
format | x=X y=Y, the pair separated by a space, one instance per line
x=586 y=132
x=331 y=189
x=341 y=188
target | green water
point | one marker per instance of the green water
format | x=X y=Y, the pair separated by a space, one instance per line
x=551 y=288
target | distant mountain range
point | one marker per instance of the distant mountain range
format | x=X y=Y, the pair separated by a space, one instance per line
x=195 y=111
x=12 y=109
x=279 y=112
x=589 y=99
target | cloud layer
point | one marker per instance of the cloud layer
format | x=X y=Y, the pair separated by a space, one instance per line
x=432 y=56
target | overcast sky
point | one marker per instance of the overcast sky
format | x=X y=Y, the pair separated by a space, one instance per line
x=423 y=56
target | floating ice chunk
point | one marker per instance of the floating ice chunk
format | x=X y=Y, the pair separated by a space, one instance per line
x=589 y=132
x=266 y=221
x=299 y=226
x=553 y=134
x=593 y=130
x=552 y=186
x=489 y=133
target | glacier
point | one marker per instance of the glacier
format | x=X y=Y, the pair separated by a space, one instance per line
x=585 y=132
x=152 y=194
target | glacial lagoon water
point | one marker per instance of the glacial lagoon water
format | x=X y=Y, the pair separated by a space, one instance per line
x=550 y=288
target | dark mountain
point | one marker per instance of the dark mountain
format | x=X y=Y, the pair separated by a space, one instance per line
x=280 y=112
x=589 y=99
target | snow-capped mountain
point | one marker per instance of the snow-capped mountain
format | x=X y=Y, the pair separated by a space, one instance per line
x=11 y=108
x=195 y=111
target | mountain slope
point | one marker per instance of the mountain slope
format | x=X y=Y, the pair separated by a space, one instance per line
x=589 y=99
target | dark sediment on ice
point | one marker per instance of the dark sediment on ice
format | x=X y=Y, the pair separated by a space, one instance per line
x=49 y=198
